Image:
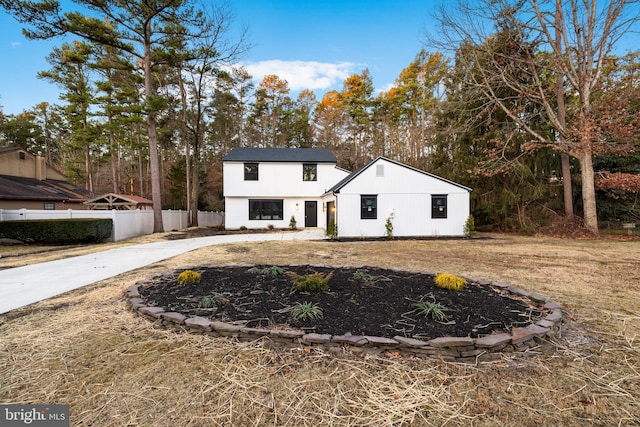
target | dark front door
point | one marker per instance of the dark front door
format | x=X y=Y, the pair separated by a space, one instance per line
x=310 y=213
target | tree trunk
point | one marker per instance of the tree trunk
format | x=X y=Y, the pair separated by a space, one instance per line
x=154 y=167
x=567 y=186
x=562 y=113
x=195 y=186
x=114 y=158
x=156 y=196
x=187 y=148
x=588 y=191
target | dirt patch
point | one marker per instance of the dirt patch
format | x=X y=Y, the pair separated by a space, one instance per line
x=359 y=301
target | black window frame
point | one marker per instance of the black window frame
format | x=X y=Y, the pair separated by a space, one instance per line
x=365 y=212
x=251 y=171
x=309 y=171
x=266 y=209
x=439 y=210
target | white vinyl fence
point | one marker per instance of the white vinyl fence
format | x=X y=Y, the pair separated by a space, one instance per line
x=125 y=223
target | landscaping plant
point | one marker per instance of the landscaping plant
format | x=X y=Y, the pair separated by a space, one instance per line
x=189 y=277
x=469 y=229
x=312 y=283
x=272 y=271
x=306 y=310
x=213 y=300
x=435 y=309
x=388 y=226
x=362 y=276
x=332 y=230
x=449 y=281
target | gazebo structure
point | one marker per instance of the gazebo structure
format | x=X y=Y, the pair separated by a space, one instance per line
x=112 y=201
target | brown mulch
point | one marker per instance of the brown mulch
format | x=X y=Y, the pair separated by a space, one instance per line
x=381 y=304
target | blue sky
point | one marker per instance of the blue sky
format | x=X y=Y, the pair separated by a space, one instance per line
x=312 y=44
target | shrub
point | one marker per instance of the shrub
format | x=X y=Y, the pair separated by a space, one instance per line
x=332 y=229
x=61 y=231
x=388 y=226
x=306 y=310
x=189 y=277
x=435 y=309
x=469 y=229
x=362 y=276
x=213 y=300
x=272 y=271
x=313 y=283
x=449 y=281
x=293 y=225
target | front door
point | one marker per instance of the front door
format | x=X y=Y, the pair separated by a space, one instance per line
x=310 y=213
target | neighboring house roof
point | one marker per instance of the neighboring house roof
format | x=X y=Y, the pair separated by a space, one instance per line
x=301 y=155
x=336 y=188
x=51 y=190
x=112 y=200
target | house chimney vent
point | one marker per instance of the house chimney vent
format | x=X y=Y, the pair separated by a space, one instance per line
x=41 y=167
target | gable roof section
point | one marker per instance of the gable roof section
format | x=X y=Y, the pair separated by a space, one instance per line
x=10 y=149
x=112 y=200
x=336 y=188
x=20 y=188
x=293 y=155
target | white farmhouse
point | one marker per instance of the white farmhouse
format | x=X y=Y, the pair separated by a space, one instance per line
x=267 y=186
x=416 y=202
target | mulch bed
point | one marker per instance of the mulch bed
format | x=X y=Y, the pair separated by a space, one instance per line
x=380 y=305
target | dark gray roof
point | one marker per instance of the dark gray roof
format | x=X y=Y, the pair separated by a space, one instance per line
x=298 y=155
x=19 y=188
x=336 y=188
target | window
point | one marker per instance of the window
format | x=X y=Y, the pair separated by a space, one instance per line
x=22 y=155
x=48 y=206
x=265 y=209
x=309 y=172
x=250 y=171
x=368 y=207
x=439 y=206
x=379 y=170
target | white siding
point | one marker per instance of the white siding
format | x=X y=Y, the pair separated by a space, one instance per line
x=405 y=194
x=237 y=213
x=280 y=181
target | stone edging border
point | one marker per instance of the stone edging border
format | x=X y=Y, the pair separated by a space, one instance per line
x=459 y=349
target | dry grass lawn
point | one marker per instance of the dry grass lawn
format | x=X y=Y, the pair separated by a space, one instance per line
x=114 y=368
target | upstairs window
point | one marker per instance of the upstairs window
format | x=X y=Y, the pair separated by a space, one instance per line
x=439 y=206
x=250 y=171
x=309 y=172
x=368 y=207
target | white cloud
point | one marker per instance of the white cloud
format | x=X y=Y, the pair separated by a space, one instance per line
x=16 y=44
x=385 y=88
x=303 y=74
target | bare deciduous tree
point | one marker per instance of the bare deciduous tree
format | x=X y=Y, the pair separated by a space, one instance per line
x=571 y=40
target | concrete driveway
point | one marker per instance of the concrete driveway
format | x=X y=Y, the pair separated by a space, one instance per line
x=22 y=286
